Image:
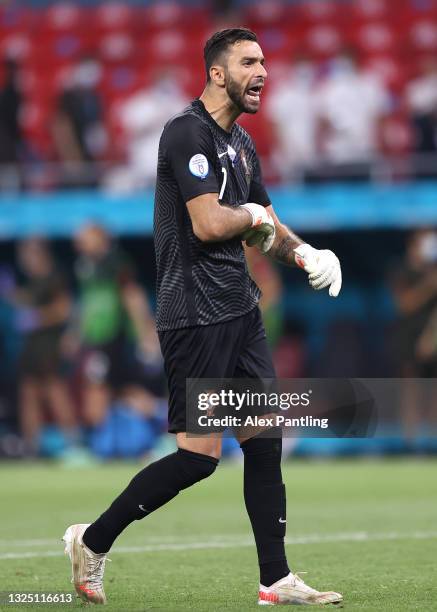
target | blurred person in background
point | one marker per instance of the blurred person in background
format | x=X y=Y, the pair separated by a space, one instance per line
x=291 y=107
x=112 y=310
x=10 y=133
x=78 y=131
x=415 y=293
x=44 y=308
x=421 y=97
x=350 y=106
x=427 y=345
x=9 y=348
x=225 y=12
x=141 y=118
x=268 y=279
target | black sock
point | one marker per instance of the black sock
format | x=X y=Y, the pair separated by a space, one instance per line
x=264 y=494
x=150 y=489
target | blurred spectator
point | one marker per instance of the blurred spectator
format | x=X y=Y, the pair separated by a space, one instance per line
x=415 y=291
x=352 y=101
x=291 y=109
x=268 y=279
x=221 y=8
x=421 y=97
x=9 y=347
x=78 y=131
x=225 y=13
x=113 y=310
x=45 y=307
x=142 y=118
x=350 y=105
x=10 y=133
x=427 y=344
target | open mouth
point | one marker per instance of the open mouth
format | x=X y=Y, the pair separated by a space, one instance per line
x=254 y=92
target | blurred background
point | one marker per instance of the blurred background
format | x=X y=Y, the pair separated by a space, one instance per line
x=347 y=135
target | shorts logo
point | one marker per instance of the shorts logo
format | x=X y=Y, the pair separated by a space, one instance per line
x=199 y=166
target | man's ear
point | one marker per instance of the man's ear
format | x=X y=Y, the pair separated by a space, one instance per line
x=217 y=75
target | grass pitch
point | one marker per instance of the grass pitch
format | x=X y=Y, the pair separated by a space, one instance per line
x=364 y=528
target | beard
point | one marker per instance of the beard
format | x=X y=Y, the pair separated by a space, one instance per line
x=237 y=95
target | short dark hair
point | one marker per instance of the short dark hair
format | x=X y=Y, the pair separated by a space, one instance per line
x=219 y=43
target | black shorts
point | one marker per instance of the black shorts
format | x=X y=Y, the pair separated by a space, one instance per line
x=233 y=349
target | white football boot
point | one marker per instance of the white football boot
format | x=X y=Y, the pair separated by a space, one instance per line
x=87 y=567
x=293 y=590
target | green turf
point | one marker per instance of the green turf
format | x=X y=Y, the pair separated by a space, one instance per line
x=373 y=526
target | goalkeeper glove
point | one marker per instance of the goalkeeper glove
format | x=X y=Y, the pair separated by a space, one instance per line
x=262 y=231
x=322 y=266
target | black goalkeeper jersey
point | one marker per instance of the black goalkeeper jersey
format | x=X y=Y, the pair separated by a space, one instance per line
x=201 y=283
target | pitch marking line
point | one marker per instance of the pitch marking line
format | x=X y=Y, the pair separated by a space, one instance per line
x=237 y=542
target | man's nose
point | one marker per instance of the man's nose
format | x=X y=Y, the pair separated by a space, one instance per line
x=262 y=72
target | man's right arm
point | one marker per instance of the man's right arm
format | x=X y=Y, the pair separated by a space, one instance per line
x=214 y=222
x=190 y=152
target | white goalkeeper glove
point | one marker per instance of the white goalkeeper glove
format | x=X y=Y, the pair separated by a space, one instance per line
x=322 y=266
x=262 y=232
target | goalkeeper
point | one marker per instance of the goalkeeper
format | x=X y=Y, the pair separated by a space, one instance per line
x=209 y=198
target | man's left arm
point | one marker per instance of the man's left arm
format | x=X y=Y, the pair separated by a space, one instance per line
x=283 y=245
x=322 y=266
x=286 y=241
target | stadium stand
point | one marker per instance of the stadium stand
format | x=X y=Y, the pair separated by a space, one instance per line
x=130 y=39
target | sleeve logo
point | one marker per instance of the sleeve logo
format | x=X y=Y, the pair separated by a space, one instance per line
x=199 y=166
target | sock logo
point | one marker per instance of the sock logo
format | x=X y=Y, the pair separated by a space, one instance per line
x=281 y=520
x=141 y=507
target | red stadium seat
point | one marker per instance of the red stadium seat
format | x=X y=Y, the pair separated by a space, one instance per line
x=63 y=17
x=363 y=10
x=68 y=46
x=322 y=41
x=265 y=14
x=389 y=69
x=278 y=42
x=192 y=81
x=395 y=134
x=318 y=11
x=162 y=15
x=15 y=19
x=17 y=46
x=32 y=81
x=278 y=70
x=113 y=16
x=117 y=47
x=376 y=37
x=35 y=119
x=165 y=15
x=59 y=50
x=422 y=35
x=417 y=9
x=45 y=82
x=170 y=46
x=122 y=81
